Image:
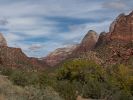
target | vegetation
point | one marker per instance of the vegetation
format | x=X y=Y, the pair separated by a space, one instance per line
x=78 y=77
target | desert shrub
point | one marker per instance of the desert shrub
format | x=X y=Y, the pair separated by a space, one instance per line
x=119 y=80
x=83 y=77
x=6 y=71
x=93 y=81
x=77 y=69
x=48 y=93
x=8 y=91
x=19 y=78
x=66 y=90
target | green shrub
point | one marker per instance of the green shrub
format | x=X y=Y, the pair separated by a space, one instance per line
x=19 y=78
x=66 y=90
x=77 y=69
x=6 y=71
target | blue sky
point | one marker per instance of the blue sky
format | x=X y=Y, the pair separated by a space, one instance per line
x=40 y=26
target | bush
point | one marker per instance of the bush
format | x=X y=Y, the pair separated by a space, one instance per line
x=48 y=93
x=83 y=77
x=20 y=78
x=6 y=71
x=90 y=80
x=66 y=90
x=77 y=69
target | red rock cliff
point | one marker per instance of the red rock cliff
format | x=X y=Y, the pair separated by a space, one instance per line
x=122 y=28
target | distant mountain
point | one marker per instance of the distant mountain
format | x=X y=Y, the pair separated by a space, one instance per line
x=59 y=55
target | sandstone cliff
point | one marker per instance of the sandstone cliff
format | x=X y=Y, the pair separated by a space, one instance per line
x=116 y=46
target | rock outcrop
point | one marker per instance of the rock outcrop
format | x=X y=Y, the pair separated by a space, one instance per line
x=122 y=28
x=2 y=40
x=116 y=46
x=87 y=43
x=59 y=55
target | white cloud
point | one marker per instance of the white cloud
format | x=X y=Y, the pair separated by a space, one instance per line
x=11 y=37
x=114 y=5
x=35 y=47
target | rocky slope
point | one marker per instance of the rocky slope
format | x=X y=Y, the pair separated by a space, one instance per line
x=15 y=58
x=59 y=55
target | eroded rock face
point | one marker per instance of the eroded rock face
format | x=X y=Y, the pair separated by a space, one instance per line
x=2 y=40
x=102 y=40
x=116 y=46
x=59 y=55
x=88 y=42
x=122 y=28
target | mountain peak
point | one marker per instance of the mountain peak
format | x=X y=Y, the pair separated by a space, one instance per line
x=2 y=40
x=122 y=28
x=131 y=14
x=91 y=35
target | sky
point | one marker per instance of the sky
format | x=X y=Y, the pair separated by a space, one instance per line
x=40 y=26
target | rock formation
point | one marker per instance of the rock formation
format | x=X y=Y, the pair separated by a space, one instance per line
x=117 y=44
x=59 y=55
x=122 y=28
x=15 y=58
x=2 y=40
x=87 y=43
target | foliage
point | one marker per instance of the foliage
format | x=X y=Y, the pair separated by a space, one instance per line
x=77 y=77
x=19 y=78
x=5 y=71
x=96 y=82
